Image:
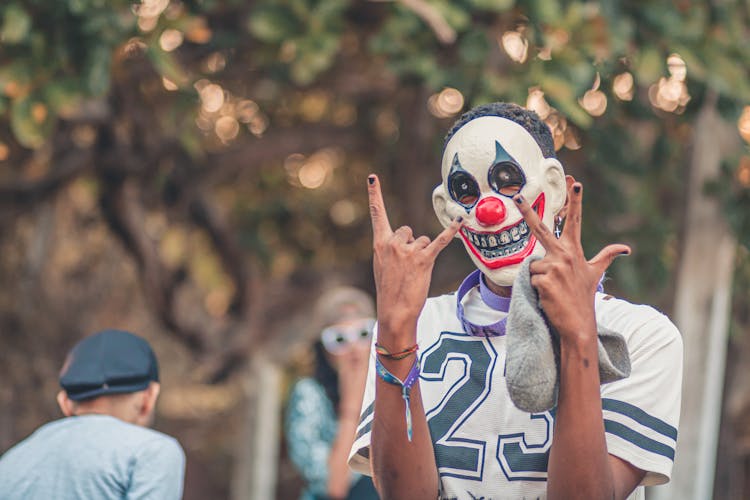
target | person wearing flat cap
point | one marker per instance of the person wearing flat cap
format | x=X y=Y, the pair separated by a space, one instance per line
x=103 y=447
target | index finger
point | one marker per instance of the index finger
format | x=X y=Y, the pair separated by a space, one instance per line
x=536 y=226
x=381 y=227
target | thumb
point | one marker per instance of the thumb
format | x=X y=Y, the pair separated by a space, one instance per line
x=606 y=255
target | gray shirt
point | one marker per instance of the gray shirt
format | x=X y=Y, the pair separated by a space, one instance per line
x=93 y=457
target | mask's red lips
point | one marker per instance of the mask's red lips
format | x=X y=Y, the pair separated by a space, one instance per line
x=506 y=246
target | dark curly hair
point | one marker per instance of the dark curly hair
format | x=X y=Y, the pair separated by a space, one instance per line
x=515 y=113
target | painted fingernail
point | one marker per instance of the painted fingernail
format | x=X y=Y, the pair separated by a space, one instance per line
x=625 y=252
x=459 y=219
x=518 y=198
x=371 y=179
x=577 y=188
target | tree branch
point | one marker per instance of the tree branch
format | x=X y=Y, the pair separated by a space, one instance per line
x=434 y=19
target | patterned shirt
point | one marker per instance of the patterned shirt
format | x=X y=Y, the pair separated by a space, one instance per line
x=487 y=448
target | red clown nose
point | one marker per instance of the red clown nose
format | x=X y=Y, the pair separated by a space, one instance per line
x=490 y=211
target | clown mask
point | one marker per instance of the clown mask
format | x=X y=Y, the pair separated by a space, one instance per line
x=485 y=163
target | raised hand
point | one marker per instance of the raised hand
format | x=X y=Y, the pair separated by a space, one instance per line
x=565 y=280
x=403 y=270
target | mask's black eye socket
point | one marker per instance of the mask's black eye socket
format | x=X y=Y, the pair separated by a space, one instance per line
x=463 y=188
x=506 y=178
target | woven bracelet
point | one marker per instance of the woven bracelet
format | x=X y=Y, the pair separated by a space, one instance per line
x=382 y=351
x=406 y=386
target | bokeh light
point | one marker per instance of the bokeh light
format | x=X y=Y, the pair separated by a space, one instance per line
x=344 y=212
x=743 y=172
x=314 y=105
x=594 y=101
x=446 y=103
x=671 y=94
x=312 y=172
x=537 y=103
x=246 y=110
x=150 y=8
x=168 y=84
x=743 y=124
x=226 y=128
x=38 y=112
x=212 y=97
x=215 y=62
x=258 y=125
x=198 y=31
x=624 y=86
x=4 y=151
x=562 y=133
x=84 y=136
x=515 y=45
x=170 y=39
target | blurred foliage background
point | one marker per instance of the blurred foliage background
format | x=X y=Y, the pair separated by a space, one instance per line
x=195 y=171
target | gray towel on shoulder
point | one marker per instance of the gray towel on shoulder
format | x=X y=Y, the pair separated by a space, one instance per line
x=532 y=366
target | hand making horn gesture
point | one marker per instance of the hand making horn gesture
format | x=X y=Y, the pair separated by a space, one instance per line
x=403 y=269
x=565 y=280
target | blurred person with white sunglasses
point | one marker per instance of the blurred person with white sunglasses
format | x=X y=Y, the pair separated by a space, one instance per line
x=323 y=410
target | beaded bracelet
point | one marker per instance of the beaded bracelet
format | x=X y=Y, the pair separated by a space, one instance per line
x=382 y=351
x=406 y=386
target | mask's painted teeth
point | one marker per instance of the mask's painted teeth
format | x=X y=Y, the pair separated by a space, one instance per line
x=508 y=242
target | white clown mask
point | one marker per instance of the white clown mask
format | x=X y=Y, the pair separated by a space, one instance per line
x=487 y=161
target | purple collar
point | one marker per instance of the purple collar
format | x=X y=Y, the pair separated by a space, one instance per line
x=490 y=298
x=493 y=301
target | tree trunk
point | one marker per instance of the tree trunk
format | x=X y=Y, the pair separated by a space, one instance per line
x=255 y=472
x=702 y=308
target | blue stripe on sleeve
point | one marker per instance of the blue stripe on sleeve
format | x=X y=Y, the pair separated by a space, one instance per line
x=640 y=416
x=365 y=414
x=638 y=439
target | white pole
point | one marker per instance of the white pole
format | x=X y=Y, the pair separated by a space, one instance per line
x=702 y=308
x=256 y=466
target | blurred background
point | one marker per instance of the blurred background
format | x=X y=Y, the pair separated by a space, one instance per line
x=194 y=171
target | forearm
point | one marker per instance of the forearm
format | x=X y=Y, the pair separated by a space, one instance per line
x=339 y=474
x=402 y=469
x=579 y=463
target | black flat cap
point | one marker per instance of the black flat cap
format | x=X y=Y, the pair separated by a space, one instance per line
x=108 y=362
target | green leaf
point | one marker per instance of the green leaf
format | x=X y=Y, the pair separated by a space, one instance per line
x=98 y=69
x=62 y=94
x=15 y=73
x=30 y=128
x=456 y=16
x=272 y=24
x=473 y=47
x=16 y=25
x=562 y=96
x=649 y=66
x=493 y=5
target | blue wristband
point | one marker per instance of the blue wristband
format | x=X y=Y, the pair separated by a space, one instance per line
x=406 y=386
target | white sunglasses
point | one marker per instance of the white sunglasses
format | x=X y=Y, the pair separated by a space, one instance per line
x=337 y=338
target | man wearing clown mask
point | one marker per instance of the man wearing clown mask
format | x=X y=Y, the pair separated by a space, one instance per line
x=437 y=419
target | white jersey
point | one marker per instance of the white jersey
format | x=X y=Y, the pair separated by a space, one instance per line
x=487 y=448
